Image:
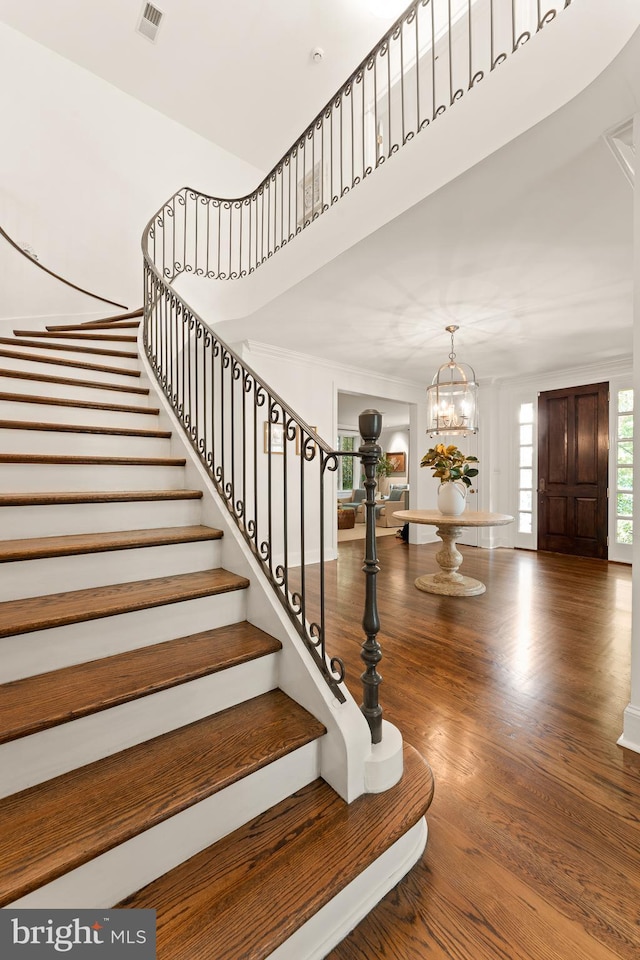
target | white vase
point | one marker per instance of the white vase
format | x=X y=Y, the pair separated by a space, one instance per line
x=452 y=498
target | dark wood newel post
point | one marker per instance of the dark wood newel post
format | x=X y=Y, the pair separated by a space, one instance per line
x=370 y=423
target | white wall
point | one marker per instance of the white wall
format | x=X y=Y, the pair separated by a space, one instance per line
x=83 y=167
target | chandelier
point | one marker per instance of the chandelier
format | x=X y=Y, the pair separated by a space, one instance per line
x=452 y=398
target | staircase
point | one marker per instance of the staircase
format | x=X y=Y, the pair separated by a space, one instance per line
x=149 y=756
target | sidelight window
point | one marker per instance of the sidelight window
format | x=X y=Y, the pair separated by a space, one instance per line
x=525 y=461
x=624 y=467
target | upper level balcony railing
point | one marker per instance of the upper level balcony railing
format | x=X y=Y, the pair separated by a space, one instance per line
x=435 y=54
x=270 y=468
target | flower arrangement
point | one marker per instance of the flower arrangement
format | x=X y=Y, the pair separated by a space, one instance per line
x=449 y=464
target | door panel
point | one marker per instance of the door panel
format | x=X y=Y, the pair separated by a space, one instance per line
x=573 y=450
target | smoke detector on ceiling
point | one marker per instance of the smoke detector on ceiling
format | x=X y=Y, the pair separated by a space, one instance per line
x=149 y=22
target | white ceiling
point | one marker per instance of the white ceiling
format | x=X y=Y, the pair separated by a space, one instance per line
x=239 y=72
x=530 y=252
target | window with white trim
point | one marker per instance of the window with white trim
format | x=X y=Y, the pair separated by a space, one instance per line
x=346 y=464
x=624 y=467
x=525 y=469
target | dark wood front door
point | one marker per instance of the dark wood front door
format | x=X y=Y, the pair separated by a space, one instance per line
x=573 y=454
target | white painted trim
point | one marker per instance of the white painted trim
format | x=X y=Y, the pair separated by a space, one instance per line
x=384 y=766
x=630 y=738
x=293 y=356
x=332 y=923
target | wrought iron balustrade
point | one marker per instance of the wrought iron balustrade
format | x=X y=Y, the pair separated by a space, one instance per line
x=268 y=465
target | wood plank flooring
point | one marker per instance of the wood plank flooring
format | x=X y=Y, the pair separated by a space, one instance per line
x=516 y=699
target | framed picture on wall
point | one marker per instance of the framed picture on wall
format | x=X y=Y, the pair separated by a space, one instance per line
x=277 y=437
x=398 y=462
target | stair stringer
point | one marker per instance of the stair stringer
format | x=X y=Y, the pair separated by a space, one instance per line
x=348 y=762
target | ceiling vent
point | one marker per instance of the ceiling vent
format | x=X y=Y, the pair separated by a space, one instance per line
x=149 y=22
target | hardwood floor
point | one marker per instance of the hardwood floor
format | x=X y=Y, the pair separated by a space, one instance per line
x=516 y=699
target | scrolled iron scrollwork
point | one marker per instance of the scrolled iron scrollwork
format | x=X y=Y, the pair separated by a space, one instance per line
x=316 y=635
x=296 y=603
x=280 y=575
x=547 y=18
x=338 y=669
x=309 y=448
x=290 y=429
x=264 y=551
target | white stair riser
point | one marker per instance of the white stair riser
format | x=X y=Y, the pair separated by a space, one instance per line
x=333 y=922
x=37 y=353
x=114 y=875
x=30 y=760
x=35 y=578
x=27 y=478
x=80 y=416
x=60 y=370
x=40 y=651
x=58 y=520
x=73 y=444
x=43 y=388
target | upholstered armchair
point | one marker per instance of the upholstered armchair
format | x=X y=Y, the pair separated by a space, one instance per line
x=354 y=501
x=398 y=500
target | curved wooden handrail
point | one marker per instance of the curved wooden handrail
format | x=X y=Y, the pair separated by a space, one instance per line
x=57 y=276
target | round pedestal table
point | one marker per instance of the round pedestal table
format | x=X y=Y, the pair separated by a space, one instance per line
x=449 y=582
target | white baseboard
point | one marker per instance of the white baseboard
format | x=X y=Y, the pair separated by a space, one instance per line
x=630 y=738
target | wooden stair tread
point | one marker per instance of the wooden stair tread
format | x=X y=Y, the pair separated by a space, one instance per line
x=71 y=381
x=253 y=889
x=40 y=547
x=62 y=823
x=120 y=325
x=82 y=428
x=80 y=404
x=70 y=348
x=76 y=606
x=130 y=315
x=105 y=461
x=69 y=335
x=61 y=362
x=94 y=496
x=38 y=703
